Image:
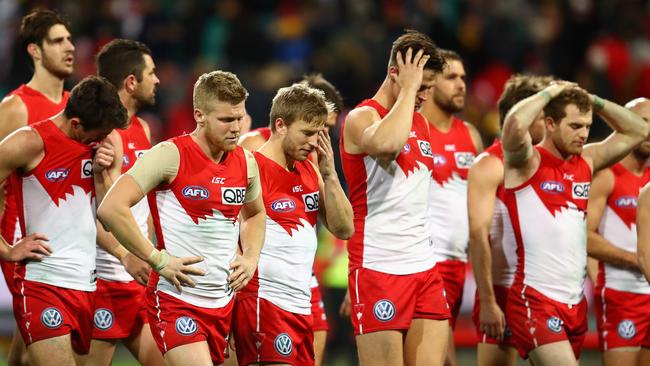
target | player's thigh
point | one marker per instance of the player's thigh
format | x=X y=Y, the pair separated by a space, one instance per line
x=320 y=338
x=17 y=351
x=426 y=342
x=450 y=354
x=495 y=355
x=143 y=347
x=195 y=354
x=621 y=356
x=101 y=352
x=644 y=356
x=554 y=354
x=52 y=351
x=380 y=348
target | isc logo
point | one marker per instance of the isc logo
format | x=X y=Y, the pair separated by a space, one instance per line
x=464 y=159
x=196 y=193
x=626 y=202
x=57 y=175
x=552 y=186
x=283 y=205
x=580 y=190
x=439 y=160
x=311 y=201
x=233 y=195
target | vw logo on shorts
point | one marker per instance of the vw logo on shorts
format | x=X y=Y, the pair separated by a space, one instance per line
x=283 y=344
x=626 y=329
x=103 y=319
x=554 y=324
x=51 y=318
x=384 y=310
x=186 y=326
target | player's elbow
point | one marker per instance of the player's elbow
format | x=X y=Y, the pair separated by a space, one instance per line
x=344 y=232
x=105 y=213
x=385 y=150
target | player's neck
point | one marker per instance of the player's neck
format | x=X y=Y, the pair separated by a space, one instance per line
x=64 y=125
x=384 y=95
x=438 y=118
x=634 y=163
x=273 y=150
x=129 y=103
x=549 y=146
x=47 y=84
x=212 y=152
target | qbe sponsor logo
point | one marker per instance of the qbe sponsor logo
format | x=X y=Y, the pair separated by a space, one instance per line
x=233 y=195
x=57 y=175
x=464 y=159
x=425 y=148
x=195 y=193
x=51 y=318
x=283 y=344
x=103 y=319
x=384 y=310
x=311 y=201
x=86 y=168
x=186 y=326
x=580 y=190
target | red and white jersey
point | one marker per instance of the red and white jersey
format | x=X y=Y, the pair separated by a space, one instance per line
x=502 y=238
x=134 y=144
x=56 y=198
x=391 y=204
x=291 y=200
x=549 y=218
x=196 y=215
x=264 y=132
x=618 y=226
x=453 y=153
x=39 y=108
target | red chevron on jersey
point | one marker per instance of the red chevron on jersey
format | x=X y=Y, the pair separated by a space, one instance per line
x=134 y=143
x=453 y=151
x=623 y=199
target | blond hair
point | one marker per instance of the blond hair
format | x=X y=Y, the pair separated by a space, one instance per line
x=300 y=102
x=215 y=86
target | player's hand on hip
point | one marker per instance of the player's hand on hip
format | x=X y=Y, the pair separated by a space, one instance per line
x=175 y=270
x=137 y=268
x=492 y=321
x=243 y=268
x=33 y=247
x=104 y=155
x=325 y=154
x=411 y=68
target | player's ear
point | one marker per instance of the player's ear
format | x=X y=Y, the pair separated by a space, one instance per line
x=75 y=122
x=280 y=126
x=34 y=51
x=393 y=72
x=199 y=117
x=130 y=83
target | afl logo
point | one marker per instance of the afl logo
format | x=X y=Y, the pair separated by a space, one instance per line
x=186 y=326
x=51 y=318
x=196 y=193
x=57 y=175
x=626 y=329
x=554 y=324
x=384 y=310
x=626 y=202
x=283 y=205
x=125 y=160
x=552 y=186
x=407 y=148
x=103 y=319
x=439 y=160
x=283 y=344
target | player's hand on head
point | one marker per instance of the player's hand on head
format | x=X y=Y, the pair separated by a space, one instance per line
x=137 y=268
x=325 y=154
x=33 y=247
x=176 y=270
x=104 y=155
x=492 y=321
x=243 y=268
x=410 y=67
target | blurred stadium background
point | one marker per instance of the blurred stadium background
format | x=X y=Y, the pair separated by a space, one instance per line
x=604 y=45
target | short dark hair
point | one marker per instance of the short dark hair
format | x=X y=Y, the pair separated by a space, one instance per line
x=96 y=103
x=120 y=58
x=416 y=41
x=36 y=25
x=299 y=102
x=317 y=81
x=556 y=108
x=517 y=88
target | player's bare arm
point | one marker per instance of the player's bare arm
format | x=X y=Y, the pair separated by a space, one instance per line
x=115 y=214
x=629 y=130
x=335 y=210
x=253 y=227
x=477 y=140
x=385 y=138
x=643 y=231
x=13 y=115
x=597 y=246
x=22 y=151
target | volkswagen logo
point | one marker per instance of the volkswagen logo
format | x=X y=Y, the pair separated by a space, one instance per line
x=626 y=329
x=103 y=319
x=283 y=344
x=51 y=318
x=186 y=326
x=384 y=310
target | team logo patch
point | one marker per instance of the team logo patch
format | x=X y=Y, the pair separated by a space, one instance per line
x=125 y=160
x=233 y=195
x=57 y=175
x=580 y=190
x=464 y=159
x=552 y=186
x=186 y=326
x=86 y=168
x=103 y=319
x=283 y=344
x=425 y=148
x=554 y=324
x=311 y=201
x=283 y=205
x=384 y=310
x=196 y=193
x=626 y=329
x=51 y=318
x=626 y=202
x=407 y=148
x=439 y=160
